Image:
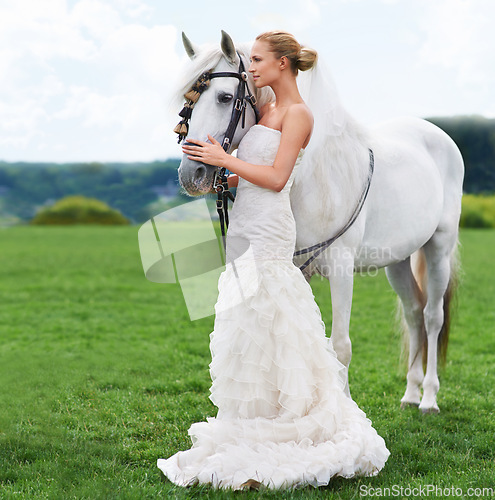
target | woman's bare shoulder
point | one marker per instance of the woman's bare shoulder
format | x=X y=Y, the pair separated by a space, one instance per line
x=299 y=113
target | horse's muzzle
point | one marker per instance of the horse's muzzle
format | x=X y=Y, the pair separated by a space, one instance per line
x=195 y=177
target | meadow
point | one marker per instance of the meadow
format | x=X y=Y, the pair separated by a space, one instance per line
x=102 y=372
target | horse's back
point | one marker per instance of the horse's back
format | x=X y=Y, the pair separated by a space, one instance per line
x=418 y=178
x=407 y=132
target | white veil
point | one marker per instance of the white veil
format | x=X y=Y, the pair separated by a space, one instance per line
x=319 y=92
x=336 y=158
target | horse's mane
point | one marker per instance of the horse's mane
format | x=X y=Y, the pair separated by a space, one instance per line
x=208 y=58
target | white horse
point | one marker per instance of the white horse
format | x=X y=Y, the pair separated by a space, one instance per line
x=408 y=224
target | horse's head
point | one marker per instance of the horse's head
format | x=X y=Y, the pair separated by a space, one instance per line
x=212 y=111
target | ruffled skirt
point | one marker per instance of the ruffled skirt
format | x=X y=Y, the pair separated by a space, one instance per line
x=283 y=417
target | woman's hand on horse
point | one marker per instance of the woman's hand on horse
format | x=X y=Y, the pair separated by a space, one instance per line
x=210 y=153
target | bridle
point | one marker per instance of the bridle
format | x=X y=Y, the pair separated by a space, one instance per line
x=243 y=97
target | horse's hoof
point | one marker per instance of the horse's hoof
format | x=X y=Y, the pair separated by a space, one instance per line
x=408 y=404
x=430 y=411
x=251 y=484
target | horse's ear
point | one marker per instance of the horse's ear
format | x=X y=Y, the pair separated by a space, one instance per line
x=191 y=50
x=228 y=48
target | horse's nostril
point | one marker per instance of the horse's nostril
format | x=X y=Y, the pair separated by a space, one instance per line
x=200 y=173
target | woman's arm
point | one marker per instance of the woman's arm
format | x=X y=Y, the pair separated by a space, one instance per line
x=296 y=127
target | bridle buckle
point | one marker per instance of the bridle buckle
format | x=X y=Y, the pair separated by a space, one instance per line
x=238 y=104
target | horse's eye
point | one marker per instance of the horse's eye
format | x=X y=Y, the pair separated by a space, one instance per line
x=224 y=97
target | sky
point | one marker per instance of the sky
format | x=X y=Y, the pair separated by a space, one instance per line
x=92 y=80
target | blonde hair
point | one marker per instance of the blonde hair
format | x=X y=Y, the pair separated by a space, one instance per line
x=285 y=44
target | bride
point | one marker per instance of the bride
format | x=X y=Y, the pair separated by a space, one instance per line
x=283 y=419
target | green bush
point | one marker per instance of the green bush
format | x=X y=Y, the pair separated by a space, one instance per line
x=79 y=210
x=478 y=211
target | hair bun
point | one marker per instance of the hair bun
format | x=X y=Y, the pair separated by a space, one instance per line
x=306 y=58
x=284 y=44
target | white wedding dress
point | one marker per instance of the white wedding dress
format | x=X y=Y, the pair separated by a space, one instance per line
x=283 y=417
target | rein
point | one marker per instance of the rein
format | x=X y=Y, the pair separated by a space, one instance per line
x=243 y=96
x=320 y=247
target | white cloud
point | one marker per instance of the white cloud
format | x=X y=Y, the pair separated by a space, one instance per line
x=20 y=122
x=296 y=16
x=40 y=31
x=145 y=54
x=134 y=8
x=307 y=15
x=458 y=36
x=92 y=67
x=97 y=18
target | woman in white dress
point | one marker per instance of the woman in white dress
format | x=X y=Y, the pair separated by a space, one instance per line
x=283 y=418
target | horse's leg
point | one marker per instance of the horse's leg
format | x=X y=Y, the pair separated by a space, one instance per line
x=340 y=273
x=401 y=278
x=438 y=252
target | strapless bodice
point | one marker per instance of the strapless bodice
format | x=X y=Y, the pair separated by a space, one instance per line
x=261 y=222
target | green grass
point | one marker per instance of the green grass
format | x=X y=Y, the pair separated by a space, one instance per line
x=101 y=373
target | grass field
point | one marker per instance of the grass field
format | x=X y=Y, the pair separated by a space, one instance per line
x=101 y=373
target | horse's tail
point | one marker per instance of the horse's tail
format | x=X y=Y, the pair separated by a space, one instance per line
x=418 y=267
x=420 y=273
x=449 y=303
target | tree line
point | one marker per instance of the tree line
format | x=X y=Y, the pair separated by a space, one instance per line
x=132 y=187
x=475 y=137
x=127 y=187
